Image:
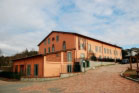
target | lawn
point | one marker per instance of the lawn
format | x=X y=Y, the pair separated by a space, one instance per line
x=131 y=74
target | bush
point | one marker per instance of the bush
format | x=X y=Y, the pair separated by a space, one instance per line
x=10 y=75
x=93 y=58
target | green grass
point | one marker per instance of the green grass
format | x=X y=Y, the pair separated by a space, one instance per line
x=130 y=73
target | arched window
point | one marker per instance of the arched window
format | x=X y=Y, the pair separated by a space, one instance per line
x=64 y=45
x=53 y=48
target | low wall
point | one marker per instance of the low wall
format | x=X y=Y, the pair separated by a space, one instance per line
x=68 y=75
x=38 y=79
x=98 y=63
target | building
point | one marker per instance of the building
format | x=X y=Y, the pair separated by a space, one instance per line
x=63 y=52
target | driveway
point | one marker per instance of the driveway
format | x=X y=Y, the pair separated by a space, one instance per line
x=105 y=79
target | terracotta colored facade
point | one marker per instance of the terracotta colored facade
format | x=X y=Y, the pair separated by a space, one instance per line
x=60 y=51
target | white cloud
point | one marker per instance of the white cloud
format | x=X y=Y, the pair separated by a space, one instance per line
x=24 y=23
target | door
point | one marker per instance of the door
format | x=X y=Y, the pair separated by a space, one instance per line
x=35 y=69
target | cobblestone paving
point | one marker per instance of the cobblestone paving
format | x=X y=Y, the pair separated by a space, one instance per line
x=105 y=79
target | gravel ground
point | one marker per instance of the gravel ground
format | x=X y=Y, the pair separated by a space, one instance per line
x=105 y=79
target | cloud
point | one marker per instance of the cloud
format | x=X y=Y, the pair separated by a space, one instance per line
x=24 y=23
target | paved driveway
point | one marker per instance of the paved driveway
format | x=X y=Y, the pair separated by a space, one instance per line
x=101 y=80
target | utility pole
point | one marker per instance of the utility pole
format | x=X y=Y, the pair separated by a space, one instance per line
x=130 y=59
x=130 y=63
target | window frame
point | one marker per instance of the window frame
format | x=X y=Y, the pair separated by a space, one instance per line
x=69 y=59
x=64 y=45
x=89 y=48
x=57 y=38
x=100 y=48
x=53 y=48
x=96 y=48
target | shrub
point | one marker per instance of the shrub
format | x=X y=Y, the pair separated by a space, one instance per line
x=93 y=58
x=10 y=75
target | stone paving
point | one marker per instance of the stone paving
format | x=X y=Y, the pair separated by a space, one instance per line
x=105 y=79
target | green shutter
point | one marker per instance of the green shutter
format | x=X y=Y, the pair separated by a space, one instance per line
x=35 y=69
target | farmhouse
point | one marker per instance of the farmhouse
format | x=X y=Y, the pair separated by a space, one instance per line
x=64 y=52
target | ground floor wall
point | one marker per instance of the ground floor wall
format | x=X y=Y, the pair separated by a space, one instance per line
x=30 y=67
x=54 y=68
x=50 y=65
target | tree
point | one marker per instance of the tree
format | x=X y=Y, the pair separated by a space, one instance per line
x=124 y=53
x=0 y=52
x=24 y=54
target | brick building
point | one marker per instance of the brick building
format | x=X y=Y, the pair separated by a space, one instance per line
x=62 y=52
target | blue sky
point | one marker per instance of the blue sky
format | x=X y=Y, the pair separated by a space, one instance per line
x=24 y=23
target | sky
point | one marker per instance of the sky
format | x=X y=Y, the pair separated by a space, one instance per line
x=24 y=23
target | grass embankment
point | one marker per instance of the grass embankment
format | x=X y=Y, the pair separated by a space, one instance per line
x=131 y=74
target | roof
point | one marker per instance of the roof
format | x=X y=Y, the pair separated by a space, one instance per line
x=27 y=57
x=81 y=36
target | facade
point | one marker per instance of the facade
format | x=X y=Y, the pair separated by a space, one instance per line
x=63 y=52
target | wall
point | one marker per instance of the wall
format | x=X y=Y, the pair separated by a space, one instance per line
x=97 y=53
x=68 y=38
x=53 y=68
x=34 y=60
x=55 y=57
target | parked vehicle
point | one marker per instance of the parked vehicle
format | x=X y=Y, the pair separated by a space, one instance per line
x=124 y=61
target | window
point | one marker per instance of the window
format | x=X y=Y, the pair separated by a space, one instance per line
x=69 y=57
x=35 y=69
x=110 y=51
x=100 y=49
x=49 y=50
x=53 y=48
x=53 y=39
x=64 y=45
x=82 y=46
x=22 y=69
x=44 y=51
x=96 y=48
x=89 y=47
x=28 y=70
x=105 y=50
x=116 y=52
x=69 y=68
x=48 y=40
x=57 y=38
x=45 y=42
